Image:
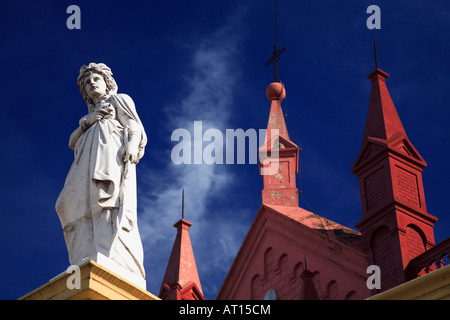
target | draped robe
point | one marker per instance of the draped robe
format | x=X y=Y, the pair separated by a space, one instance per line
x=97 y=206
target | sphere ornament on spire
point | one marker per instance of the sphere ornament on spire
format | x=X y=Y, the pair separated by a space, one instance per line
x=275 y=91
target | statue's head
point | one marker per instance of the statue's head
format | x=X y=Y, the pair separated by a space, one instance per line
x=107 y=83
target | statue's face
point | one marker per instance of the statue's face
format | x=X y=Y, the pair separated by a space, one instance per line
x=95 y=86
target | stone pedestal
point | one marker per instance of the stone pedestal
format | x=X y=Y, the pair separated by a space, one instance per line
x=95 y=283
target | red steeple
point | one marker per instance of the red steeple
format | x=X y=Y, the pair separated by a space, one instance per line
x=278 y=155
x=396 y=226
x=181 y=281
x=383 y=121
x=308 y=290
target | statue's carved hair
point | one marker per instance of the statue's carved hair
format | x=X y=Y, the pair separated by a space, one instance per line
x=103 y=70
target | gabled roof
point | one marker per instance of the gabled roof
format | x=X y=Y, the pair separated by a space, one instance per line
x=297 y=226
x=314 y=221
x=374 y=147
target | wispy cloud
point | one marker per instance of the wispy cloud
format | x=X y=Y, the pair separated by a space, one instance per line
x=209 y=80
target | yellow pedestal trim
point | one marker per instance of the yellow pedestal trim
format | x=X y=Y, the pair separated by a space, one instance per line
x=97 y=283
x=432 y=286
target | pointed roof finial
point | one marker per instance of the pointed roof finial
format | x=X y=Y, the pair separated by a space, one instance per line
x=182 y=205
x=181 y=280
x=276 y=52
x=375 y=50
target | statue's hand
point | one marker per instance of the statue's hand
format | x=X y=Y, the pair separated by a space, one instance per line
x=131 y=152
x=94 y=117
x=109 y=111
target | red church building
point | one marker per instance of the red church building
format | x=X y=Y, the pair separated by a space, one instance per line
x=290 y=253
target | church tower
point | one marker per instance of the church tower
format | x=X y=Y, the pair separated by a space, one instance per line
x=181 y=280
x=395 y=224
x=271 y=261
x=279 y=155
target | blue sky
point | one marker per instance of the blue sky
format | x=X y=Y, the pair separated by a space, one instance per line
x=186 y=61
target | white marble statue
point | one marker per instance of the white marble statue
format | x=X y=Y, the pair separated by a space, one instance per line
x=97 y=206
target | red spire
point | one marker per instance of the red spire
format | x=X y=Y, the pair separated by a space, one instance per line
x=276 y=92
x=395 y=225
x=383 y=121
x=279 y=155
x=308 y=290
x=384 y=128
x=181 y=281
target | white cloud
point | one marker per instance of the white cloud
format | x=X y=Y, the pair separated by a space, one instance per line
x=210 y=81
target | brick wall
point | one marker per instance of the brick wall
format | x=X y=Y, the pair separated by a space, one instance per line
x=375 y=188
x=384 y=257
x=407 y=186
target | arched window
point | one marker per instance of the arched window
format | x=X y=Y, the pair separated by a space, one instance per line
x=332 y=290
x=255 y=288
x=351 y=296
x=382 y=253
x=298 y=269
x=381 y=244
x=416 y=241
x=271 y=295
x=316 y=280
x=283 y=262
x=268 y=261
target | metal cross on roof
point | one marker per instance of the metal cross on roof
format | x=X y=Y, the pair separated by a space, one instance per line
x=276 y=52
